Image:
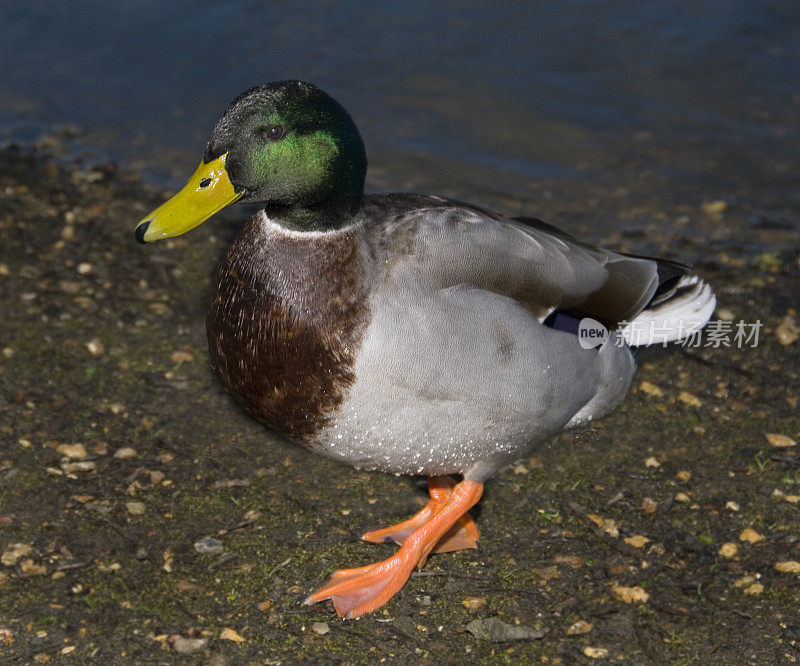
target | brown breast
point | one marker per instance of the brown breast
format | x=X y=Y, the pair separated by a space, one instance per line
x=287 y=315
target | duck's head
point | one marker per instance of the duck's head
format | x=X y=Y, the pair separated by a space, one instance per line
x=287 y=145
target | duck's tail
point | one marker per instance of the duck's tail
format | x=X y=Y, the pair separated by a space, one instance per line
x=681 y=305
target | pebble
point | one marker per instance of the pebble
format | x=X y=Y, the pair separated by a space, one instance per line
x=650 y=389
x=595 y=652
x=689 y=399
x=189 y=645
x=320 y=628
x=124 y=453
x=789 y=566
x=649 y=506
x=728 y=550
x=715 y=208
x=787 y=331
x=95 y=347
x=80 y=466
x=30 y=568
x=579 y=628
x=231 y=635
x=683 y=475
x=630 y=595
x=637 y=541
x=495 y=630
x=750 y=535
x=72 y=450
x=779 y=441
x=209 y=546
x=474 y=602
x=652 y=462
x=135 y=508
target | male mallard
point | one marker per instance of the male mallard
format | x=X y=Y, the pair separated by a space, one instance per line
x=402 y=332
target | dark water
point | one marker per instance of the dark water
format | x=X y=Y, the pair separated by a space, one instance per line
x=477 y=97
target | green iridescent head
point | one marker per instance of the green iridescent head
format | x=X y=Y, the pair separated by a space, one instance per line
x=285 y=144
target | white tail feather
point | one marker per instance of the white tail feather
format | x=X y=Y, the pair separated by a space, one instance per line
x=676 y=318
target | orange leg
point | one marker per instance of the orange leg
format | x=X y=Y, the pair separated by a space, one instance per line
x=365 y=589
x=463 y=535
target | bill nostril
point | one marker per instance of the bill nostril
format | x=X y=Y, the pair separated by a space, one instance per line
x=141 y=230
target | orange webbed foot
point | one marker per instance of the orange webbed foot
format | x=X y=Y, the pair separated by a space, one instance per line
x=463 y=535
x=440 y=527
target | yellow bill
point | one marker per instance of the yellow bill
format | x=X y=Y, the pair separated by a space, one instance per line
x=208 y=191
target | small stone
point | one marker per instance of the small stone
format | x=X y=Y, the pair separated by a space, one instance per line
x=754 y=589
x=72 y=450
x=725 y=314
x=579 y=628
x=780 y=441
x=264 y=606
x=650 y=389
x=649 y=506
x=109 y=568
x=520 y=469
x=474 y=602
x=547 y=573
x=574 y=561
x=689 y=399
x=630 y=595
x=320 y=628
x=751 y=536
x=84 y=268
x=189 y=645
x=787 y=331
x=714 y=208
x=652 y=462
x=95 y=347
x=14 y=552
x=80 y=466
x=728 y=550
x=181 y=357
x=595 y=652
x=730 y=505
x=637 y=541
x=125 y=453
x=683 y=475
x=230 y=635
x=209 y=546
x=135 y=508
x=788 y=566
x=495 y=630
x=68 y=649
x=608 y=525
x=682 y=497
x=30 y=568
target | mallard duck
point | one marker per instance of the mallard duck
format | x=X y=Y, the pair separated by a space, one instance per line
x=406 y=333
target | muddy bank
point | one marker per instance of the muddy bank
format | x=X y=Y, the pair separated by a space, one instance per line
x=144 y=519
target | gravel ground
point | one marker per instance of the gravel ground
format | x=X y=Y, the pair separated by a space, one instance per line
x=144 y=519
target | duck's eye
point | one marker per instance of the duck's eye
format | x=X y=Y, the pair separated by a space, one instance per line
x=274 y=133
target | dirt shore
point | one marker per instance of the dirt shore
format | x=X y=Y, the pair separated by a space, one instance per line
x=145 y=520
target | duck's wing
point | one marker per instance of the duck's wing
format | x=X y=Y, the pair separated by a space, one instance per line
x=544 y=269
